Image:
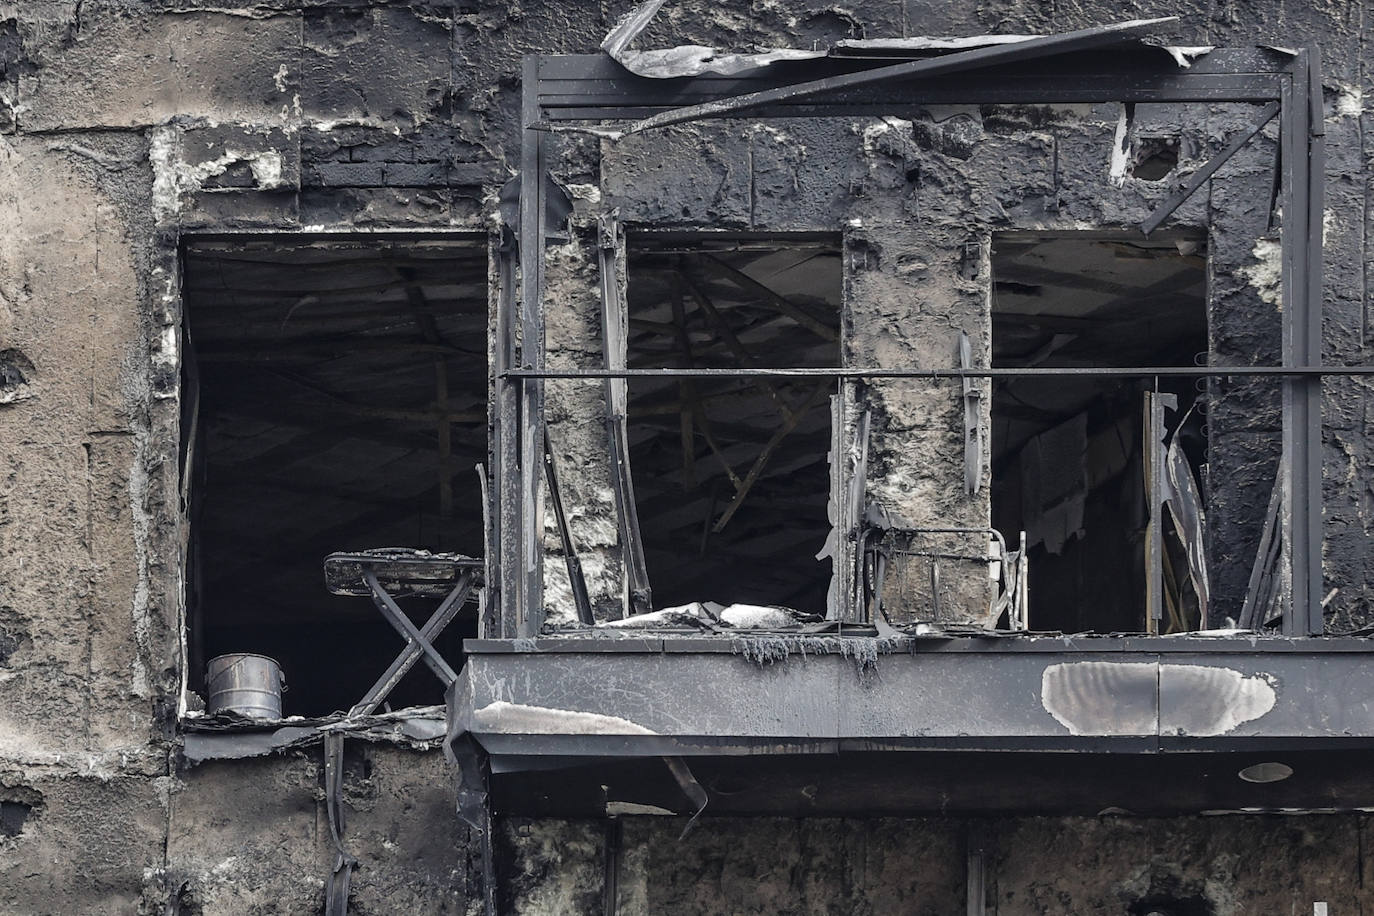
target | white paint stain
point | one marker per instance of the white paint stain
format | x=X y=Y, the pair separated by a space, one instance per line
x=518 y=718
x=1147 y=698
x=1212 y=700
x=1102 y=698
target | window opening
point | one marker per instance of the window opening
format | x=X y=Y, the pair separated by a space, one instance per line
x=341 y=391
x=731 y=474
x=1069 y=453
x=1155 y=158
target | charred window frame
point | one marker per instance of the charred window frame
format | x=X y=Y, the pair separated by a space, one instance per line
x=731 y=477
x=570 y=91
x=350 y=363
x=1119 y=538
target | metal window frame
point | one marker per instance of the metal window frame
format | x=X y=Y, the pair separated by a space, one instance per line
x=576 y=92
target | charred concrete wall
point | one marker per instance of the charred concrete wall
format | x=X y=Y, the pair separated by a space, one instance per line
x=125 y=126
x=1200 y=866
x=918 y=201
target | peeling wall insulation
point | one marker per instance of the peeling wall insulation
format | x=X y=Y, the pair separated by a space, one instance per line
x=129 y=129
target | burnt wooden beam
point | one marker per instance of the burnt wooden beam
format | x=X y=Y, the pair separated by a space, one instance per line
x=316 y=415
x=770 y=297
x=686 y=389
x=727 y=334
x=762 y=461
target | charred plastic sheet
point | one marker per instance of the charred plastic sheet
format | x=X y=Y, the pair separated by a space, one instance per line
x=233 y=737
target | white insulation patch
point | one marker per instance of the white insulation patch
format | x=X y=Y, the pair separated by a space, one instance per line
x=174 y=179
x=517 y=718
x=887 y=124
x=1349 y=101
x=1265 y=275
x=757 y=617
x=1121 y=151
x=1183 y=54
x=620 y=808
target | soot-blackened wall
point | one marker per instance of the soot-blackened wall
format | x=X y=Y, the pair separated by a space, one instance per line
x=127 y=127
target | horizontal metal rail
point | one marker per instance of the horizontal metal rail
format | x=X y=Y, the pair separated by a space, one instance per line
x=990 y=372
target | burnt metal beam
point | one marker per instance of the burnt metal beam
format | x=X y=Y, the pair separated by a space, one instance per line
x=614 y=315
x=525 y=562
x=973 y=425
x=320 y=349
x=1130 y=695
x=429 y=329
x=501 y=613
x=1286 y=371
x=687 y=395
x=576 y=580
x=594 y=87
x=977 y=58
x=732 y=341
x=1196 y=180
x=314 y=416
x=770 y=297
x=769 y=448
x=1303 y=157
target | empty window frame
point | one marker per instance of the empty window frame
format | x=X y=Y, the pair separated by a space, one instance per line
x=1072 y=458
x=336 y=397
x=731 y=476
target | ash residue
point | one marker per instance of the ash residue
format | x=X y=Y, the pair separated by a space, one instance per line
x=773 y=648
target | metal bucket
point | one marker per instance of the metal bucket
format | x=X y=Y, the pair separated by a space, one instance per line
x=249 y=685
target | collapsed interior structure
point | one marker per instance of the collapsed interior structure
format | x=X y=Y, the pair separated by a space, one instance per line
x=837 y=470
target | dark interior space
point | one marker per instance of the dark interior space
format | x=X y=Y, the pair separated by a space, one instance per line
x=1068 y=453
x=731 y=475
x=887 y=783
x=336 y=400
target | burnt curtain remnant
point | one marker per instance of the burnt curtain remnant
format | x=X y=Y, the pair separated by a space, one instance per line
x=1072 y=458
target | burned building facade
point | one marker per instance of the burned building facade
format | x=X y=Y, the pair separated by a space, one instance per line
x=684 y=460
